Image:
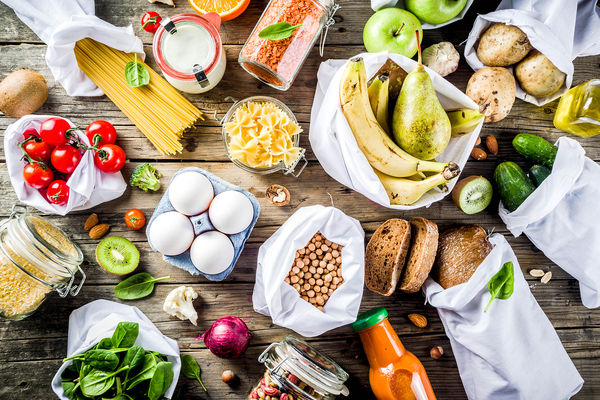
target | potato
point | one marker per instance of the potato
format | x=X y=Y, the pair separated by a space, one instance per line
x=22 y=92
x=502 y=45
x=493 y=88
x=538 y=76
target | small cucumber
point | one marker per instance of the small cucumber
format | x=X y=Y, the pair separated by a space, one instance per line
x=535 y=148
x=513 y=185
x=538 y=173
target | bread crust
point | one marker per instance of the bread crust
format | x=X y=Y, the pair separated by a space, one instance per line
x=423 y=250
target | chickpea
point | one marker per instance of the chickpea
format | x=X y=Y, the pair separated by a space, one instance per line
x=317 y=289
x=334 y=246
x=306 y=286
x=312 y=240
x=315 y=263
x=333 y=273
x=296 y=286
x=312 y=270
x=328 y=256
x=325 y=297
x=338 y=260
x=319 y=282
x=335 y=253
x=311 y=293
x=328 y=278
x=320 y=300
x=294 y=279
x=312 y=247
x=301 y=251
x=331 y=287
x=305 y=298
x=324 y=247
x=306 y=260
x=312 y=300
x=322 y=264
x=312 y=256
x=328 y=242
x=318 y=237
x=330 y=292
x=320 y=308
x=324 y=289
x=295 y=270
x=316 y=276
x=287 y=280
x=307 y=275
x=330 y=267
x=320 y=270
x=301 y=281
x=319 y=252
x=336 y=280
x=311 y=281
x=301 y=274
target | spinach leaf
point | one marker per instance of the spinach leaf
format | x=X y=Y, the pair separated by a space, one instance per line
x=98 y=382
x=134 y=357
x=161 y=380
x=102 y=359
x=121 y=396
x=502 y=285
x=70 y=388
x=104 y=344
x=145 y=373
x=85 y=369
x=136 y=74
x=69 y=374
x=191 y=369
x=137 y=286
x=125 y=334
x=278 y=31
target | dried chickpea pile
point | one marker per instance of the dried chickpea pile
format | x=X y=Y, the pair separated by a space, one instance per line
x=317 y=270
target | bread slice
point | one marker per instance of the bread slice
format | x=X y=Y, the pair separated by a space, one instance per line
x=385 y=256
x=423 y=249
x=460 y=252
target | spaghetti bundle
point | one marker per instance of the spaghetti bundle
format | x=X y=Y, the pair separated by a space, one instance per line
x=157 y=109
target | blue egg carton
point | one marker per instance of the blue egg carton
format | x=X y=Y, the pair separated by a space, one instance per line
x=202 y=224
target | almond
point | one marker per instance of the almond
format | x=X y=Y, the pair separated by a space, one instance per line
x=91 y=222
x=98 y=231
x=478 y=154
x=478 y=141
x=492 y=144
x=417 y=319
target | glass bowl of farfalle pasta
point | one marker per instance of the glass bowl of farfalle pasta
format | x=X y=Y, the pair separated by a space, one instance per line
x=262 y=136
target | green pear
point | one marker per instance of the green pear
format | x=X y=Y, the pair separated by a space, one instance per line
x=420 y=125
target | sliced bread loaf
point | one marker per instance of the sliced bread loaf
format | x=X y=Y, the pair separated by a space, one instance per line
x=385 y=256
x=423 y=248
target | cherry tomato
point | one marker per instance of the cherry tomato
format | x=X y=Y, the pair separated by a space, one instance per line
x=110 y=158
x=31 y=132
x=65 y=158
x=135 y=219
x=104 y=129
x=150 y=21
x=38 y=149
x=38 y=176
x=58 y=192
x=54 y=131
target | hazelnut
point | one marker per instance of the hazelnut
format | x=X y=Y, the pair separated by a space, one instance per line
x=436 y=352
x=228 y=376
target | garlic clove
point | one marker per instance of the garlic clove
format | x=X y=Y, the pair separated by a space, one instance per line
x=442 y=58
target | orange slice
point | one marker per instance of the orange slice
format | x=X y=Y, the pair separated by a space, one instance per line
x=227 y=9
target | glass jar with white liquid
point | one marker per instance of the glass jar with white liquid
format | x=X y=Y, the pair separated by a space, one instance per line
x=188 y=50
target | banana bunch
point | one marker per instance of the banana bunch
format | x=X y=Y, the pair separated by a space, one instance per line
x=400 y=173
x=463 y=120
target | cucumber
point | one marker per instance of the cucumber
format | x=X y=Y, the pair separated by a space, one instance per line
x=538 y=173
x=535 y=148
x=513 y=185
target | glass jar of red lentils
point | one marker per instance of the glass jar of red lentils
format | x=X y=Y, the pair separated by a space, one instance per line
x=298 y=371
x=277 y=62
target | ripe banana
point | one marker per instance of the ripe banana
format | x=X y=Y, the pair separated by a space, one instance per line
x=463 y=120
x=379 y=96
x=407 y=191
x=379 y=149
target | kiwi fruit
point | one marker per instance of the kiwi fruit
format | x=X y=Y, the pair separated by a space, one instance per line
x=117 y=255
x=473 y=194
x=22 y=93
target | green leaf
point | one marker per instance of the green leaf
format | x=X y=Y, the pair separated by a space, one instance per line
x=98 y=382
x=136 y=74
x=145 y=373
x=102 y=359
x=105 y=344
x=70 y=389
x=161 y=380
x=137 y=286
x=279 y=31
x=134 y=357
x=502 y=285
x=70 y=373
x=121 y=396
x=191 y=369
x=125 y=334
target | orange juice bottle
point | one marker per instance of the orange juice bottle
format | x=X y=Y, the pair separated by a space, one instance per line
x=395 y=373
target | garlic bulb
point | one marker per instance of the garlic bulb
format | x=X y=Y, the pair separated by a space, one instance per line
x=442 y=58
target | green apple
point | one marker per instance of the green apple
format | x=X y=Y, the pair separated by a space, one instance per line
x=435 y=12
x=392 y=29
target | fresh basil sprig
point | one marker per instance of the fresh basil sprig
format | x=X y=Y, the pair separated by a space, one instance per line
x=502 y=285
x=136 y=74
x=278 y=31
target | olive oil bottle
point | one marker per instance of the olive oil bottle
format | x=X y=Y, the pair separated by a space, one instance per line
x=578 y=111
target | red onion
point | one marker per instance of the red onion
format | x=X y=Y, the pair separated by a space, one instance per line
x=228 y=337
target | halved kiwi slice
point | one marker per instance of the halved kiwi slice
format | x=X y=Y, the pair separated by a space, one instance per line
x=473 y=194
x=117 y=255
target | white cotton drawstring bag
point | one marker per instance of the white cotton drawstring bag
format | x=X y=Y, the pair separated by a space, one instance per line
x=88 y=185
x=279 y=300
x=510 y=352
x=562 y=30
x=562 y=216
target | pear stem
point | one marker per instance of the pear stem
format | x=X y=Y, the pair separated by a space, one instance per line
x=418 y=45
x=398 y=31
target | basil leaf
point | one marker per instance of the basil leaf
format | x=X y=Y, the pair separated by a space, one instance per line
x=137 y=286
x=191 y=369
x=145 y=373
x=102 y=359
x=502 y=285
x=279 y=31
x=98 y=382
x=125 y=334
x=161 y=380
x=136 y=74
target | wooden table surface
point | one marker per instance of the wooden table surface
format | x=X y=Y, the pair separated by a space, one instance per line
x=31 y=350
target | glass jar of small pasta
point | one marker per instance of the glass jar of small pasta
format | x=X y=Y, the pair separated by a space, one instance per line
x=262 y=136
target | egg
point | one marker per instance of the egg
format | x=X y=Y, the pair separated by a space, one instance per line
x=231 y=212
x=212 y=252
x=190 y=193
x=171 y=233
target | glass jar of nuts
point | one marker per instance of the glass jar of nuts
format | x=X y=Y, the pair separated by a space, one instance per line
x=36 y=258
x=298 y=371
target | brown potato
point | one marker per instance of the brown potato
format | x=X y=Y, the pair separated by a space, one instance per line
x=502 y=45
x=22 y=93
x=538 y=76
x=494 y=89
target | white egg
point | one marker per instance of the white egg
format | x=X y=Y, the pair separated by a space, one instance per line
x=231 y=212
x=190 y=193
x=171 y=233
x=212 y=252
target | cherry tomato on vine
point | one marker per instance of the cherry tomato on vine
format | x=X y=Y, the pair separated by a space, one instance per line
x=58 y=192
x=135 y=219
x=54 y=131
x=150 y=21
x=38 y=176
x=38 y=150
x=110 y=158
x=31 y=132
x=65 y=158
x=104 y=129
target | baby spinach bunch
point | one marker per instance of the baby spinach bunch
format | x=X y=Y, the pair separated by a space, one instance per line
x=116 y=369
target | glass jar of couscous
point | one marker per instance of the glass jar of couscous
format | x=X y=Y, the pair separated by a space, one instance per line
x=36 y=258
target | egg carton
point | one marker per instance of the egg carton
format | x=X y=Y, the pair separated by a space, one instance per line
x=202 y=224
